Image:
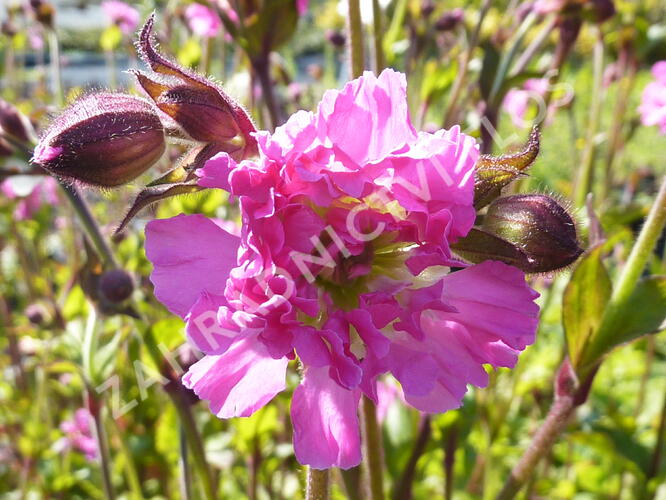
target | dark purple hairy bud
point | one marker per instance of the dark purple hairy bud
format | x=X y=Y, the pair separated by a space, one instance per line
x=103 y=139
x=539 y=226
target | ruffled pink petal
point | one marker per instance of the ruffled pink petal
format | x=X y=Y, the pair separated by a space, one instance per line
x=238 y=382
x=190 y=254
x=326 y=429
x=659 y=71
x=215 y=172
x=209 y=324
x=380 y=105
x=493 y=299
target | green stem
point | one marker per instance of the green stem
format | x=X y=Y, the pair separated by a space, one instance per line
x=586 y=172
x=657 y=455
x=186 y=420
x=102 y=445
x=624 y=88
x=317 y=484
x=206 y=56
x=355 y=27
x=507 y=59
x=626 y=283
x=262 y=69
x=184 y=410
x=89 y=224
x=56 y=74
x=184 y=465
x=373 y=449
x=130 y=467
x=557 y=419
x=534 y=46
x=378 y=36
x=452 y=106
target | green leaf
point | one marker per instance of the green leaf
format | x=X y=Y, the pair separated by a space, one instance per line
x=583 y=303
x=491 y=59
x=110 y=38
x=154 y=194
x=644 y=312
x=436 y=79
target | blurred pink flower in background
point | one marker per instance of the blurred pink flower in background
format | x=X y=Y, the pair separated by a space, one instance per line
x=388 y=393
x=202 y=21
x=347 y=217
x=78 y=434
x=36 y=37
x=32 y=198
x=516 y=102
x=121 y=14
x=302 y=6
x=653 y=101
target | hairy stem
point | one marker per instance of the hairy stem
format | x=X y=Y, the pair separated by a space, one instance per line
x=556 y=420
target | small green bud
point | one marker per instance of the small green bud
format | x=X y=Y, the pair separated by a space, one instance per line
x=539 y=226
x=104 y=140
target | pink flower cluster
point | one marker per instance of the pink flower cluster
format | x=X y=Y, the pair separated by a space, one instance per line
x=653 y=101
x=78 y=434
x=343 y=261
x=123 y=15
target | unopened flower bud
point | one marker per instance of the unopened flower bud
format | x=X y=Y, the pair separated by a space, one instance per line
x=104 y=140
x=14 y=123
x=202 y=109
x=116 y=286
x=427 y=8
x=8 y=28
x=450 y=20
x=36 y=314
x=569 y=29
x=44 y=12
x=600 y=10
x=337 y=38
x=539 y=226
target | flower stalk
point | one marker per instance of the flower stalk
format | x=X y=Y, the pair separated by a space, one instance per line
x=586 y=172
x=317 y=484
x=378 y=36
x=95 y=408
x=355 y=27
x=452 y=106
x=557 y=419
x=373 y=450
x=631 y=273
